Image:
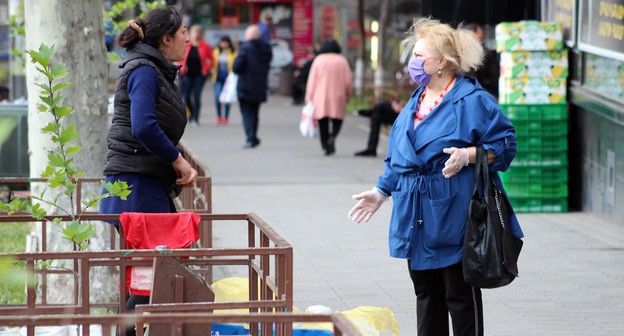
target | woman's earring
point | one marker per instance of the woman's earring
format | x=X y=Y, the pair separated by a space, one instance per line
x=439 y=73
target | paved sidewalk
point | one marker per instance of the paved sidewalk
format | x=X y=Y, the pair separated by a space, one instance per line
x=571 y=268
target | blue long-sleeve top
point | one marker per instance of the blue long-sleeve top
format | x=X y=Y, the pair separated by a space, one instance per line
x=143 y=89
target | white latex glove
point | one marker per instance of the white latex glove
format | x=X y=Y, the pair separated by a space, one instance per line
x=369 y=202
x=455 y=163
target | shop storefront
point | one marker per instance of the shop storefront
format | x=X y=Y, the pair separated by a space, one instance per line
x=594 y=33
x=296 y=26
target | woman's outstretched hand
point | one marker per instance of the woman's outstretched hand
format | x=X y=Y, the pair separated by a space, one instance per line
x=369 y=202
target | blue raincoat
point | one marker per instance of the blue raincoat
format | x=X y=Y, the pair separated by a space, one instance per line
x=429 y=211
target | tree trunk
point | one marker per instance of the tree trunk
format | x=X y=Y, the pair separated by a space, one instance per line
x=379 y=72
x=360 y=63
x=75 y=28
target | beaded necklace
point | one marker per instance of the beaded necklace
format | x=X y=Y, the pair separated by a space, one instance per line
x=421 y=116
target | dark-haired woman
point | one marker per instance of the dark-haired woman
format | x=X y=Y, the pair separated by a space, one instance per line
x=149 y=120
x=224 y=57
x=329 y=89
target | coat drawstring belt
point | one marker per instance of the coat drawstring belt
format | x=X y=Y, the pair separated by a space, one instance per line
x=420 y=184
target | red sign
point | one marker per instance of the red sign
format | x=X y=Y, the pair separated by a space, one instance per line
x=303 y=24
x=328 y=21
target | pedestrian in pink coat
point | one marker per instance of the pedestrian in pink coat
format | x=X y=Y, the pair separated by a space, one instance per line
x=329 y=89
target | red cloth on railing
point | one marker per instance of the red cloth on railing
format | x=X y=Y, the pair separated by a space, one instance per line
x=155 y=231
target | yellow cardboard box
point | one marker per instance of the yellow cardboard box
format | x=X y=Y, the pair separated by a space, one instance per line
x=528 y=36
x=521 y=64
x=532 y=90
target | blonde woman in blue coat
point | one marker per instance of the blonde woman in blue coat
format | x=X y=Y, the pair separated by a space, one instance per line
x=429 y=174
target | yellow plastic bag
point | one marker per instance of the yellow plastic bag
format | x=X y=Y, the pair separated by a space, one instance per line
x=372 y=321
x=235 y=289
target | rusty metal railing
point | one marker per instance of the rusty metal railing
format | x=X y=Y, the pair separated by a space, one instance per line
x=267 y=257
x=196 y=197
x=199 y=195
x=279 y=324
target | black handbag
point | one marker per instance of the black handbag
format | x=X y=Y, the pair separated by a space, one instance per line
x=491 y=250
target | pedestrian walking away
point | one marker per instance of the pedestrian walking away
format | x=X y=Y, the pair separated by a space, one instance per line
x=429 y=173
x=194 y=69
x=148 y=121
x=329 y=89
x=224 y=57
x=300 y=78
x=252 y=67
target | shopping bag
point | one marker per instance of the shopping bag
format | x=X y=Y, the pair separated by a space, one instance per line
x=307 y=126
x=228 y=94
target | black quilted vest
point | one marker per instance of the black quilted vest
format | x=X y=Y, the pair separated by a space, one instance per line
x=125 y=153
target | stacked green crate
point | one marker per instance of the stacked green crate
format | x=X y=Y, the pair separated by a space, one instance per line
x=532 y=93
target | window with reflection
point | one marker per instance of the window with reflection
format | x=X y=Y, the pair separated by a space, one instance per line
x=605 y=75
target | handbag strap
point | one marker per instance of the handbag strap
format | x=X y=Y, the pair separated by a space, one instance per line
x=481 y=171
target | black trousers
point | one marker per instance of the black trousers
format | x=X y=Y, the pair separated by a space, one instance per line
x=381 y=114
x=326 y=134
x=131 y=303
x=440 y=292
x=251 y=119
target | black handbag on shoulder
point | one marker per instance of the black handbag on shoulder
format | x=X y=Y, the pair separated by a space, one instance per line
x=490 y=248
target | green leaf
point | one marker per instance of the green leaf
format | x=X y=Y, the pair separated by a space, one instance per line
x=35 y=57
x=69 y=134
x=73 y=149
x=62 y=111
x=57 y=101
x=56 y=181
x=50 y=128
x=42 y=107
x=46 y=100
x=46 y=52
x=45 y=88
x=60 y=86
x=58 y=71
x=37 y=212
x=107 y=185
x=44 y=72
x=49 y=170
x=84 y=232
x=55 y=160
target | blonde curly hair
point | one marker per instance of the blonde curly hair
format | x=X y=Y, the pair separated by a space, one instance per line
x=460 y=47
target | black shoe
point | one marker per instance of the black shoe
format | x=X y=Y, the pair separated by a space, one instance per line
x=252 y=144
x=366 y=152
x=331 y=146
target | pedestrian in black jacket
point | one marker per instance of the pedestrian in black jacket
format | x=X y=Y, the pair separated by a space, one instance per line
x=252 y=67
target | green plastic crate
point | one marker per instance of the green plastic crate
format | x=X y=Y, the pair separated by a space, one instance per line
x=529 y=174
x=542 y=144
x=537 y=190
x=535 y=112
x=540 y=159
x=541 y=127
x=527 y=205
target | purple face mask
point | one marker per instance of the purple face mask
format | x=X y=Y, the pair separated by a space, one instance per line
x=416 y=68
